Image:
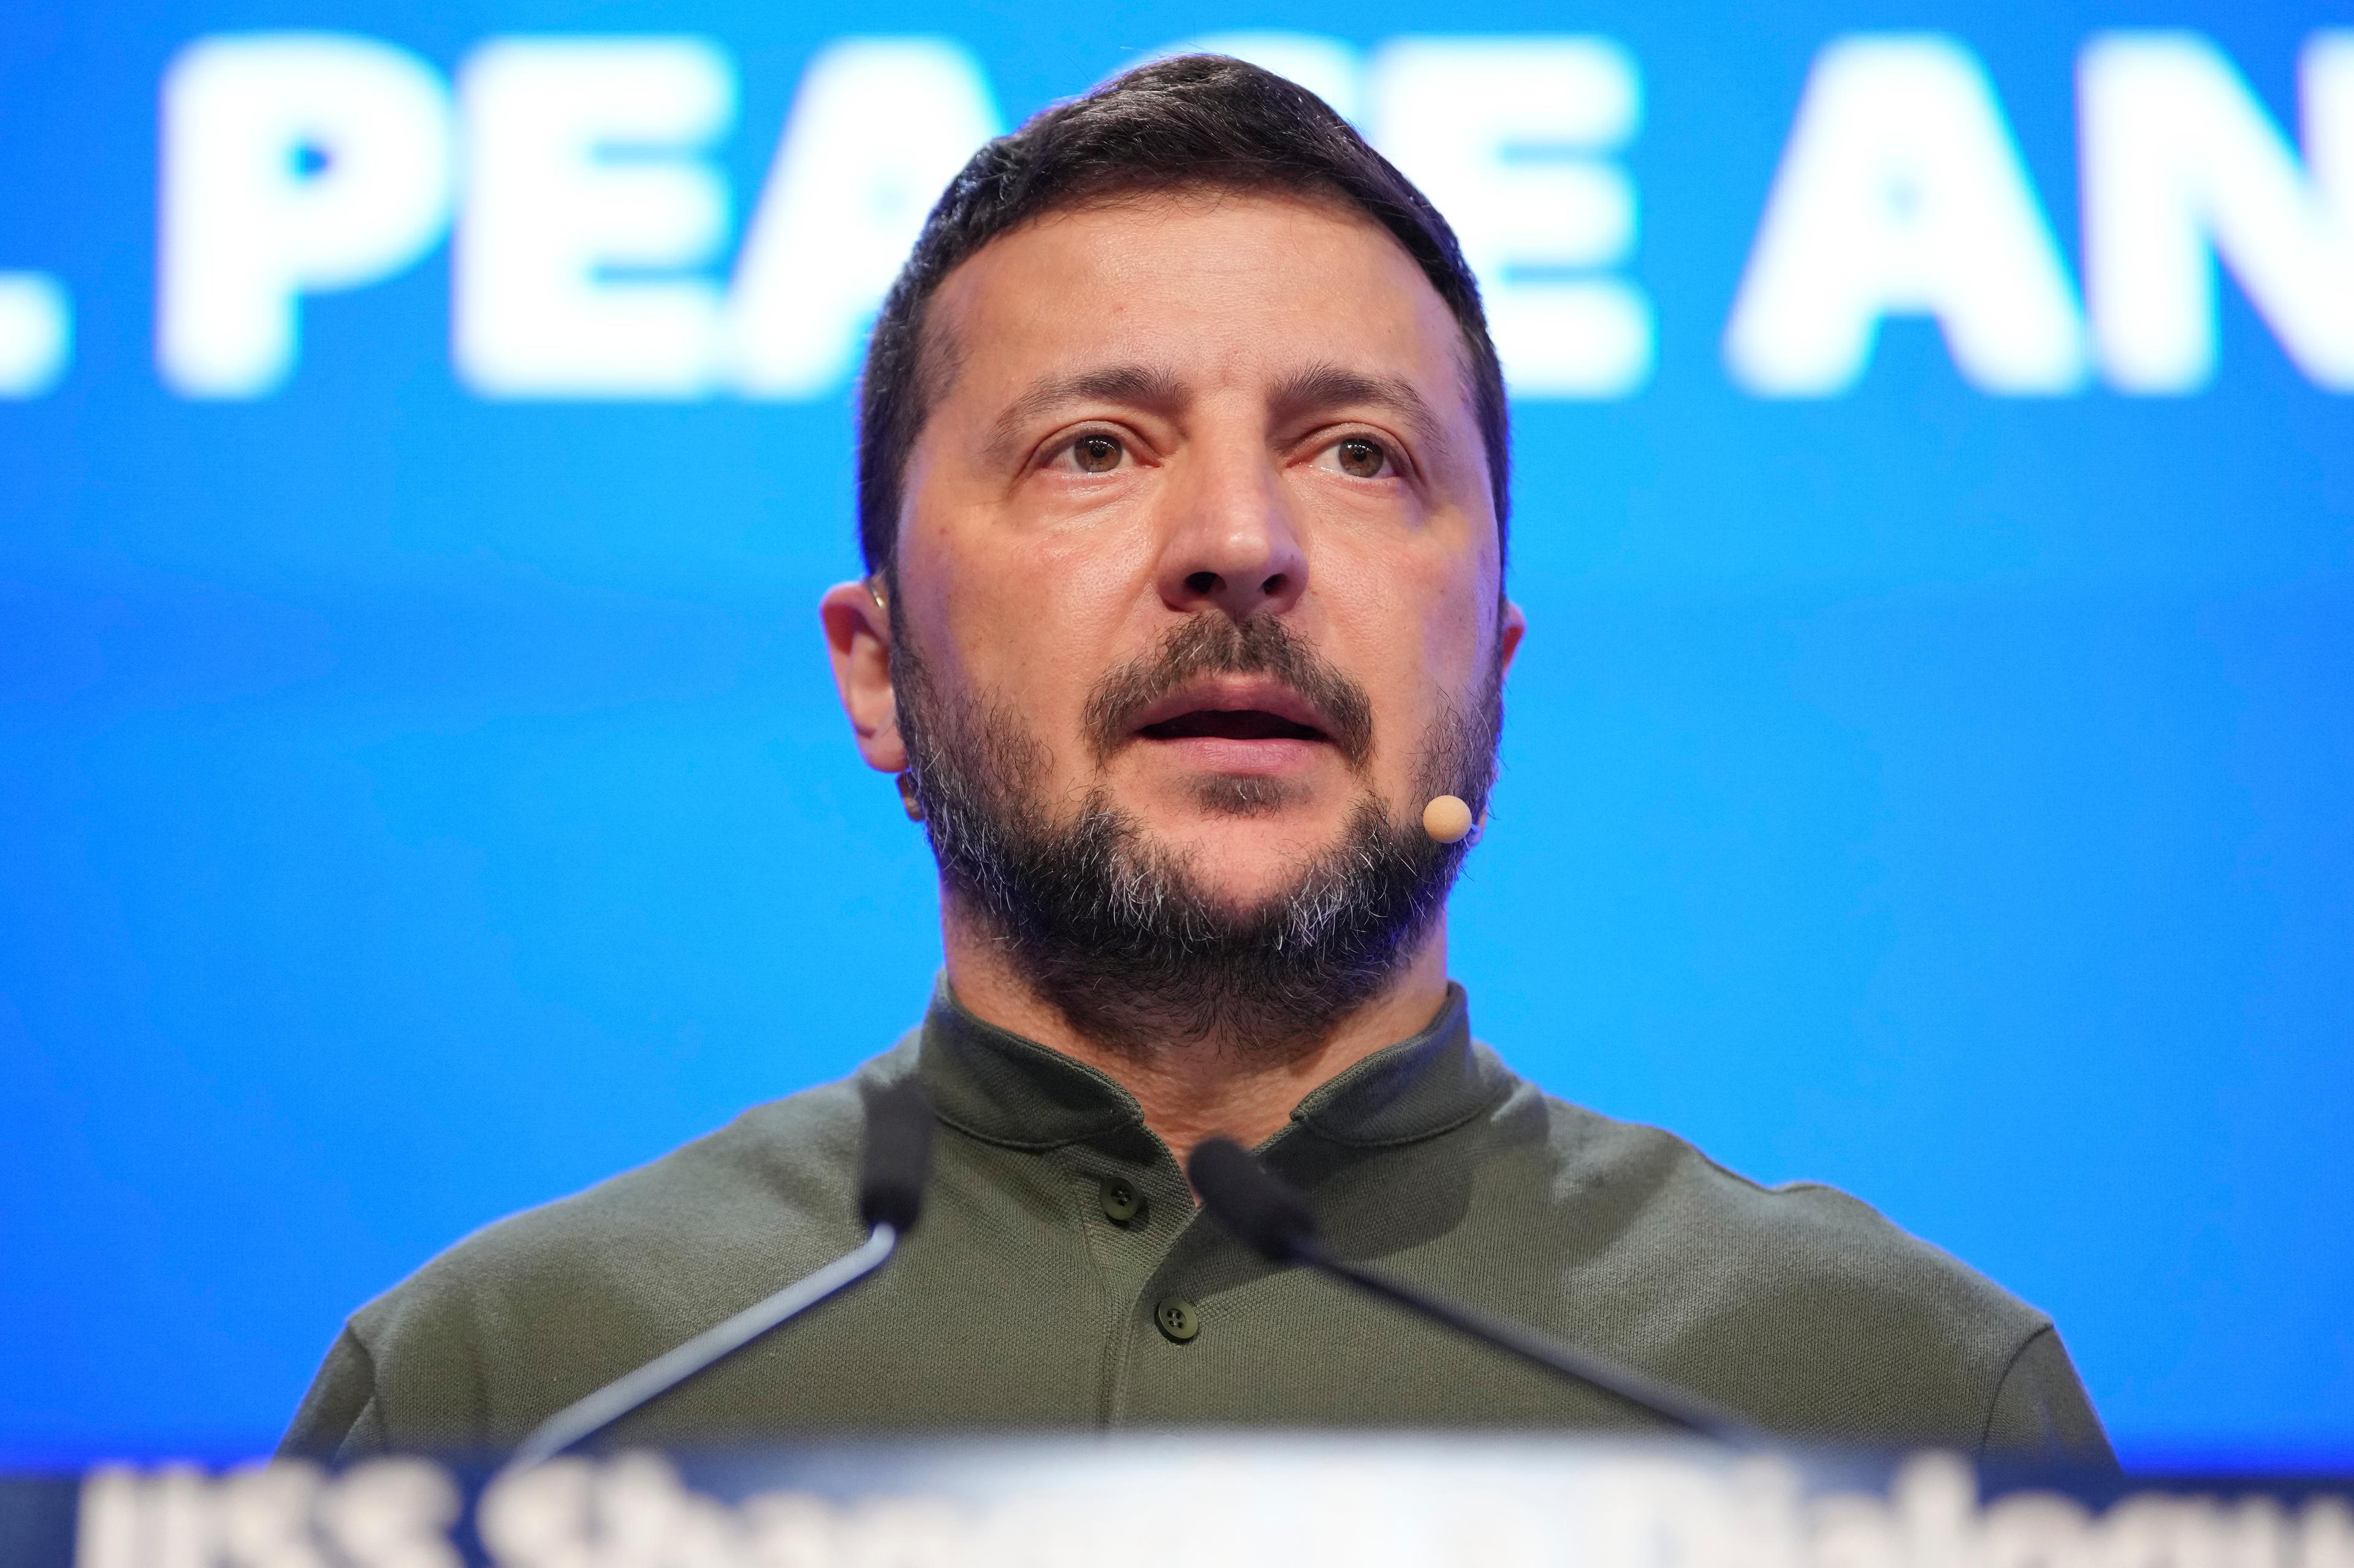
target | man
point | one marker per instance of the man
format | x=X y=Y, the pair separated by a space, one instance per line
x=1182 y=479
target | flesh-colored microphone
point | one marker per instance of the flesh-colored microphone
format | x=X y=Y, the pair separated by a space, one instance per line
x=1449 y=820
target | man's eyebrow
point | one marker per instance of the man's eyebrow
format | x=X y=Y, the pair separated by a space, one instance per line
x=1138 y=385
x=1324 y=387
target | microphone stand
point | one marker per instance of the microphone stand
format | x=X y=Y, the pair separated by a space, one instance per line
x=893 y=1167
x=1623 y=1382
x=1268 y=1215
x=585 y=1417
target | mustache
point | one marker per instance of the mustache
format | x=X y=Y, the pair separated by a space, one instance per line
x=1214 y=645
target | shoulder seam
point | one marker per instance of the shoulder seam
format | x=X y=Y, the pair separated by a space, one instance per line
x=2002 y=1380
x=1727 y=1171
x=1696 y=1152
x=375 y=1400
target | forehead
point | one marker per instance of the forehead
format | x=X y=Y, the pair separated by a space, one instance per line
x=1212 y=286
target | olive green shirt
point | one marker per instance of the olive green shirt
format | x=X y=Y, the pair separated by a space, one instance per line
x=1062 y=1278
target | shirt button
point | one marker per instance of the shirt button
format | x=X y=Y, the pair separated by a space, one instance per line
x=1179 y=1320
x=1119 y=1200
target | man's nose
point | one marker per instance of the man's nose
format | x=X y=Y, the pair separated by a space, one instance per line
x=1233 y=542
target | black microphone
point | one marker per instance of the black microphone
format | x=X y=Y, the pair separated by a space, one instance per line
x=896 y=1159
x=892 y=1166
x=1268 y=1215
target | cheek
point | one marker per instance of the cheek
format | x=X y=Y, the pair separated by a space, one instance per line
x=1423 y=621
x=1031 y=622
x=1406 y=636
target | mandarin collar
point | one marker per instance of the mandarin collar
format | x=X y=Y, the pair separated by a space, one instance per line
x=1009 y=1090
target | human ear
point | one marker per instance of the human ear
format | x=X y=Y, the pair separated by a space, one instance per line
x=1511 y=625
x=858 y=641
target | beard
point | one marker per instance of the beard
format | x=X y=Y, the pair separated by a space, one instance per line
x=1116 y=929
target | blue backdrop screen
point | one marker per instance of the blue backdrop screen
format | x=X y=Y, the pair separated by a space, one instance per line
x=424 y=436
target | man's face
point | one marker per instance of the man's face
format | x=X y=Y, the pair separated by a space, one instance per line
x=1203 y=408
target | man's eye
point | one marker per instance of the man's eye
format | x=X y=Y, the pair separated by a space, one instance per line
x=1095 y=454
x=1362 y=456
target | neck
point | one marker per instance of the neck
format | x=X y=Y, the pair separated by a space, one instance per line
x=1197 y=1088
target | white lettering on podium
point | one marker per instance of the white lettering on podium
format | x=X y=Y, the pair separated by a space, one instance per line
x=1628 y=1509
x=280 y=1513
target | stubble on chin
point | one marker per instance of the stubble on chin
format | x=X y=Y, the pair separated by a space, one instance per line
x=1118 y=931
x=1228 y=796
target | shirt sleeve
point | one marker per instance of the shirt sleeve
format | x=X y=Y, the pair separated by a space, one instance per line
x=2041 y=1410
x=338 y=1419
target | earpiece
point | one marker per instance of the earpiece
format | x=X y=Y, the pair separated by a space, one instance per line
x=907 y=798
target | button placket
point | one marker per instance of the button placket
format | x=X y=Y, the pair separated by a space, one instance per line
x=1121 y=1201
x=1177 y=1319
x=1131 y=1217
x=1133 y=1211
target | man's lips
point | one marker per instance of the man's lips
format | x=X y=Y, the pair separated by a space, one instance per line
x=1223 y=724
x=1232 y=709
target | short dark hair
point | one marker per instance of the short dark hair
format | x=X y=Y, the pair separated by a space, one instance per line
x=1191 y=121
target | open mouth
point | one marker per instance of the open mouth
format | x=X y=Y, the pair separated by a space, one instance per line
x=1231 y=723
x=1237 y=725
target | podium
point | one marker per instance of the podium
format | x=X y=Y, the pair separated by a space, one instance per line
x=1175 y=1500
